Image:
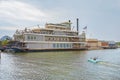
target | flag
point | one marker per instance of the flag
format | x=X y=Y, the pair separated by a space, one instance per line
x=85 y=27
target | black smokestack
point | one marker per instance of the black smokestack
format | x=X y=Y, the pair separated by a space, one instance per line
x=69 y=24
x=77 y=24
x=69 y=21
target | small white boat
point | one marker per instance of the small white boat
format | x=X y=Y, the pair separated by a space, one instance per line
x=93 y=60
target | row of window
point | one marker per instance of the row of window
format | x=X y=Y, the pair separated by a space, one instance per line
x=58 y=33
x=56 y=39
x=62 y=45
x=31 y=37
x=58 y=28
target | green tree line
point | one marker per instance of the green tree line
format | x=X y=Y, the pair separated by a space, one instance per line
x=118 y=43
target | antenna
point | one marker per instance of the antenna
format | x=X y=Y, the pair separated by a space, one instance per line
x=38 y=26
x=73 y=27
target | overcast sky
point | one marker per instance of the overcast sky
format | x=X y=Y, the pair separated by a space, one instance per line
x=102 y=17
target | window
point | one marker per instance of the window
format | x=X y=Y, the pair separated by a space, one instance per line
x=31 y=37
x=70 y=46
x=28 y=37
x=54 y=45
x=61 y=45
x=64 y=45
x=55 y=38
x=67 y=39
x=67 y=45
x=34 y=37
x=57 y=45
x=62 y=39
x=49 y=38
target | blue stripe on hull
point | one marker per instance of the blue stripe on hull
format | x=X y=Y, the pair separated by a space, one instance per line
x=43 y=50
x=46 y=50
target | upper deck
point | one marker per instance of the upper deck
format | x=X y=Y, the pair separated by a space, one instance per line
x=51 y=29
x=51 y=32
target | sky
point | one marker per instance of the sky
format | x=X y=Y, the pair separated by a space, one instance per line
x=100 y=16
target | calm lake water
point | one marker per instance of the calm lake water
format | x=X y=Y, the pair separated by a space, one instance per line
x=65 y=65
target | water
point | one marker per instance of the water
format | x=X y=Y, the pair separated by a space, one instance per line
x=65 y=65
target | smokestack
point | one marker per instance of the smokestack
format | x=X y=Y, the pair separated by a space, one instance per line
x=69 y=24
x=69 y=21
x=78 y=25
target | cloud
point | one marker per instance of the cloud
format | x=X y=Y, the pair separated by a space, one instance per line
x=10 y=28
x=15 y=10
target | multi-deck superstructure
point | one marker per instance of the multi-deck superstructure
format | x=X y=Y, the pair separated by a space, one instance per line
x=52 y=37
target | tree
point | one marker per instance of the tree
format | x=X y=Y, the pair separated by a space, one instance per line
x=4 y=42
x=0 y=43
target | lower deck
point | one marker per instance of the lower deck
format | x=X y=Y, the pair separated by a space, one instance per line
x=46 y=46
x=54 y=45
